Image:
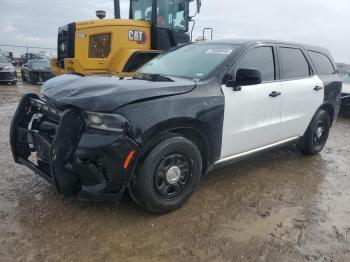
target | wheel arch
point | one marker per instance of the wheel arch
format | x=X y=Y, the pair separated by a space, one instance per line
x=191 y=129
x=329 y=108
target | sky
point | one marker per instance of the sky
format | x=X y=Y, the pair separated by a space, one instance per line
x=319 y=22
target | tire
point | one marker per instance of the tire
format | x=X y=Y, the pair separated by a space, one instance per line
x=168 y=175
x=23 y=77
x=14 y=82
x=33 y=82
x=316 y=135
x=344 y=111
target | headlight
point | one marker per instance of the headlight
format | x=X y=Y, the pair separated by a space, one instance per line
x=108 y=122
x=8 y=69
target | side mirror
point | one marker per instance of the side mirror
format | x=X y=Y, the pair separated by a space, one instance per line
x=248 y=77
x=230 y=81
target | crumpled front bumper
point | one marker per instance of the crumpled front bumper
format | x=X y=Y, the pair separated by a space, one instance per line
x=40 y=76
x=8 y=76
x=75 y=160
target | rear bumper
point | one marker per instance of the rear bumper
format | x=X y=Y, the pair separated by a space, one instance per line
x=8 y=76
x=345 y=104
x=75 y=160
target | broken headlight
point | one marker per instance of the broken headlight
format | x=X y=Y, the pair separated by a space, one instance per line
x=107 y=122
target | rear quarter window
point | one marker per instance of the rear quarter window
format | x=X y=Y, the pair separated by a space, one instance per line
x=322 y=63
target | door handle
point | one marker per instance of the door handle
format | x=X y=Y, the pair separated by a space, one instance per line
x=275 y=94
x=318 y=88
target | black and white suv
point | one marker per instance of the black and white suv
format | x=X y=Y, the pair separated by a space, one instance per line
x=181 y=115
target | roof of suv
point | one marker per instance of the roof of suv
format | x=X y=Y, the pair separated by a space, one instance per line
x=256 y=41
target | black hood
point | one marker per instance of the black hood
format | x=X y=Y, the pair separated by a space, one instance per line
x=41 y=69
x=107 y=93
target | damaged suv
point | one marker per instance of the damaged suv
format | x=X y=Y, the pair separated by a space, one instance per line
x=36 y=71
x=182 y=114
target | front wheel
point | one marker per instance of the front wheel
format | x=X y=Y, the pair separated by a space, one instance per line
x=24 y=79
x=168 y=175
x=317 y=133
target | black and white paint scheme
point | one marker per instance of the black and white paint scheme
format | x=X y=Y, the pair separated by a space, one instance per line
x=182 y=114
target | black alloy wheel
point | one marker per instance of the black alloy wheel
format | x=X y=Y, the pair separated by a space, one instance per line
x=317 y=133
x=168 y=175
x=320 y=134
x=172 y=176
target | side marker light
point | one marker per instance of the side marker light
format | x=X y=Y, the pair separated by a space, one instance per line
x=128 y=159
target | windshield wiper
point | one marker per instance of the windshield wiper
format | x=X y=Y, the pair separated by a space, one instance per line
x=153 y=77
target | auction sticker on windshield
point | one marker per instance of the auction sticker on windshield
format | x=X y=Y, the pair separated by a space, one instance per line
x=219 y=51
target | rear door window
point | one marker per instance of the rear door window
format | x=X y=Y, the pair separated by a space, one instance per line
x=294 y=63
x=261 y=58
x=322 y=63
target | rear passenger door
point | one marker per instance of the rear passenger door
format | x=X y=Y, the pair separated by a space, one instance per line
x=302 y=92
x=252 y=115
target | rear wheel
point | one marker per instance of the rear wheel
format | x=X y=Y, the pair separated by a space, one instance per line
x=317 y=133
x=168 y=175
x=32 y=81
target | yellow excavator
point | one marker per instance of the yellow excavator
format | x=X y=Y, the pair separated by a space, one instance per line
x=117 y=45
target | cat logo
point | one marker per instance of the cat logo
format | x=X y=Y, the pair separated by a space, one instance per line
x=139 y=36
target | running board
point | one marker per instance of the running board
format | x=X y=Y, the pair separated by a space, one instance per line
x=254 y=151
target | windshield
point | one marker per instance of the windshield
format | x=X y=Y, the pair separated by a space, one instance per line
x=40 y=64
x=171 y=14
x=3 y=59
x=191 y=61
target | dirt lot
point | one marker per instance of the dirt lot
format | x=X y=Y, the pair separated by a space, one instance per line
x=281 y=206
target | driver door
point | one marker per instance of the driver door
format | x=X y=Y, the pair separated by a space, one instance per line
x=253 y=115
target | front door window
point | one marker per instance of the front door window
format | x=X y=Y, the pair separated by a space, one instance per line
x=171 y=14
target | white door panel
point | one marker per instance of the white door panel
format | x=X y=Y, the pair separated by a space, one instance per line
x=299 y=103
x=251 y=119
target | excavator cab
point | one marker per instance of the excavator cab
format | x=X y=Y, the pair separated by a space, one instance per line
x=123 y=45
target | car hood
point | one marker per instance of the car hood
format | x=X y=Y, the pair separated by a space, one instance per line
x=3 y=65
x=108 y=93
x=40 y=69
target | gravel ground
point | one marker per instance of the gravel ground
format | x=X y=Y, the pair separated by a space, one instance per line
x=280 y=206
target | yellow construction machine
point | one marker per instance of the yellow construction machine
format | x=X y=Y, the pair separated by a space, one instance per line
x=117 y=45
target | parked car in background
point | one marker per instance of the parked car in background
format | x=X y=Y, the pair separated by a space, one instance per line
x=36 y=71
x=344 y=71
x=345 y=100
x=7 y=71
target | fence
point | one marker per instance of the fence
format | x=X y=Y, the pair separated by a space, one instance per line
x=20 y=54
